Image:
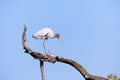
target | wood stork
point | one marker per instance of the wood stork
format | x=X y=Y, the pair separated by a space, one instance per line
x=45 y=34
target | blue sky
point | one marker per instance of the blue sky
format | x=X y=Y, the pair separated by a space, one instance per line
x=90 y=30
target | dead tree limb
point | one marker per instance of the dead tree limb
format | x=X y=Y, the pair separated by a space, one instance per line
x=42 y=70
x=54 y=58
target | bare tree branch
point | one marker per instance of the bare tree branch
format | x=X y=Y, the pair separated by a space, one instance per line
x=42 y=69
x=53 y=58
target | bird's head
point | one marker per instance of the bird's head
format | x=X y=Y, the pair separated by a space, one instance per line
x=58 y=37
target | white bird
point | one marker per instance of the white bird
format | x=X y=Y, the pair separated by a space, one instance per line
x=45 y=34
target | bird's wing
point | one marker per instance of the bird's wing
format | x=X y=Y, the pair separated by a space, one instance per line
x=50 y=32
x=47 y=32
x=43 y=33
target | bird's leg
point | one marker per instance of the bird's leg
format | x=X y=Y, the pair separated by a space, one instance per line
x=47 y=47
x=44 y=46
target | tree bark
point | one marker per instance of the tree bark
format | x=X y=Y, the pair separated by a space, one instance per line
x=54 y=58
x=42 y=70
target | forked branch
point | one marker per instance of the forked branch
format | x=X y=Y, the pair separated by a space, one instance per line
x=54 y=58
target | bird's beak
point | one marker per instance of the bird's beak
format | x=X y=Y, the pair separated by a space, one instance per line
x=60 y=40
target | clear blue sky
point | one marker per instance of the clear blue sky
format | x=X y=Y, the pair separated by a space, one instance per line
x=90 y=30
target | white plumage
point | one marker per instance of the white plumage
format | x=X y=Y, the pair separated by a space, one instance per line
x=45 y=34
